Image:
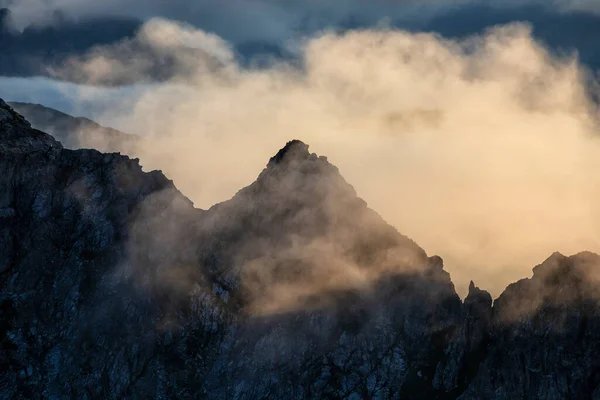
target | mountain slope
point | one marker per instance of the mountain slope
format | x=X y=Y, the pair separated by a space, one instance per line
x=112 y=285
x=76 y=132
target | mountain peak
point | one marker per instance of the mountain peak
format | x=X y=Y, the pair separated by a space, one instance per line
x=559 y=268
x=477 y=294
x=472 y=287
x=293 y=150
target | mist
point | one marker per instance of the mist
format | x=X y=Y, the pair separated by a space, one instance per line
x=483 y=150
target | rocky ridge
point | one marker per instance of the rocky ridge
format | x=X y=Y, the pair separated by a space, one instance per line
x=112 y=285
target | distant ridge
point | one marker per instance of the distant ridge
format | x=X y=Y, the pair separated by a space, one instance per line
x=76 y=132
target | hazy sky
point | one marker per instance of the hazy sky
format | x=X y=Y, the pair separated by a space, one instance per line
x=266 y=18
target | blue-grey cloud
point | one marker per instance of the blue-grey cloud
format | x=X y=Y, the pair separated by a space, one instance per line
x=38 y=36
x=267 y=20
x=564 y=32
x=37 y=48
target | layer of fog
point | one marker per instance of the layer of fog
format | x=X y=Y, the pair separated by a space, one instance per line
x=483 y=151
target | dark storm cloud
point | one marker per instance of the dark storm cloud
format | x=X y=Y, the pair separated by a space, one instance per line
x=269 y=20
x=560 y=31
x=235 y=20
x=38 y=47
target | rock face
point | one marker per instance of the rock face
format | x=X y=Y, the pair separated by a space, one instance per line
x=112 y=285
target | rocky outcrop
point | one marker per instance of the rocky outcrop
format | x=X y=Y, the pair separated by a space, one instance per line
x=545 y=340
x=112 y=285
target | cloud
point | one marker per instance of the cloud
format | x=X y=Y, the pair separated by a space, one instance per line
x=266 y=20
x=236 y=20
x=259 y=29
x=35 y=50
x=160 y=50
x=483 y=150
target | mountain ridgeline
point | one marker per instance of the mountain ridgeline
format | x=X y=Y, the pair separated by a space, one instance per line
x=113 y=286
x=76 y=132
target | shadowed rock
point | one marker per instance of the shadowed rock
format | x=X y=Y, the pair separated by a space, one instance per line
x=112 y=285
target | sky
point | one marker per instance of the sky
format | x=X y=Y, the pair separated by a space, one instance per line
x=238 y=20
x=469 y=125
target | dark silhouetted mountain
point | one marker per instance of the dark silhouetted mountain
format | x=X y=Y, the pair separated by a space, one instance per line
x=112 y=285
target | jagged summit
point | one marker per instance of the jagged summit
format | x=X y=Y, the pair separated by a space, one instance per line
x=559 y=281
x=300 y=201
x=476 y=293
x=558 y=266
x=293 y=150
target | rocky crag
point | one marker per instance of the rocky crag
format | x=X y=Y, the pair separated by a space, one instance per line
x=112 y=286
